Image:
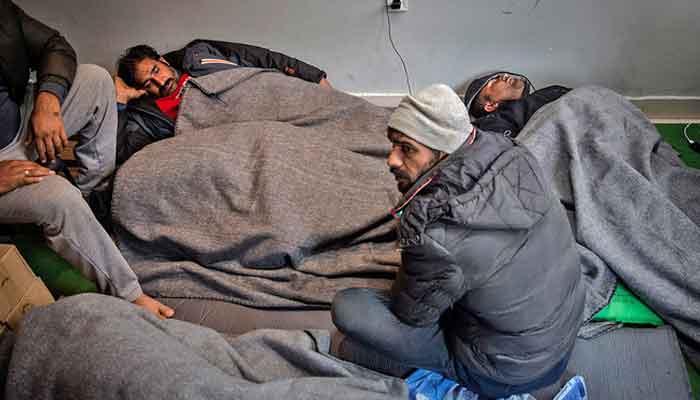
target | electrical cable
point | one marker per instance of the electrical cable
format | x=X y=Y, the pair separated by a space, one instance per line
x=685 y=132
x=694 y=145
x=403 y=63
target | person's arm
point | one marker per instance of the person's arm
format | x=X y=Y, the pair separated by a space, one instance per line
x=428 y=283
x=55 y=61
x=50 y=54
x=264 y=58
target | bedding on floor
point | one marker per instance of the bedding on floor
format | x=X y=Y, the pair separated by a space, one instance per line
x=274 y=193
x=98 y=347
x=634 y=206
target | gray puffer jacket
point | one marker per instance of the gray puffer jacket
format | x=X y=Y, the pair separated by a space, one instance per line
x=487 y=252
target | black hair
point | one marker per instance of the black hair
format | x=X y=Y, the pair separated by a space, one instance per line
x=126 y=65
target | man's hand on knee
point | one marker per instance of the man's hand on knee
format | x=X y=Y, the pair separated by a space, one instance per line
x=16 y=173
x=46 y=128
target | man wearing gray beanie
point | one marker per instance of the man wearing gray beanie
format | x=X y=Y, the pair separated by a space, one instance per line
x=489 y=292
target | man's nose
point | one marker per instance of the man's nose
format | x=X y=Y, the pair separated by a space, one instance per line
x=393 y=160
x=159 y=80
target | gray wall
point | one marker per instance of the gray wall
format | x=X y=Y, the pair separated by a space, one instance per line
x=637 y=47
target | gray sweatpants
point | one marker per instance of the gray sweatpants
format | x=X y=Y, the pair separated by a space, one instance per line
x=89 y=111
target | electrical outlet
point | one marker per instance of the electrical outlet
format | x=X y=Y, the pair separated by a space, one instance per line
x=397 y=5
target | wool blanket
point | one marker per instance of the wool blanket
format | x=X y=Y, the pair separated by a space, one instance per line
x=634 y=206
x=273 y=193
x=98 y=347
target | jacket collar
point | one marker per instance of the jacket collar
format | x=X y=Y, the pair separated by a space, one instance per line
x=429 y=176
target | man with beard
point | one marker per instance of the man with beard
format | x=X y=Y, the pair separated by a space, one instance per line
x=149 y=89
x=503 y=102
x=149 y=86
x=489 y=292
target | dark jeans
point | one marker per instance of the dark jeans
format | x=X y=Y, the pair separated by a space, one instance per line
x=364 y=316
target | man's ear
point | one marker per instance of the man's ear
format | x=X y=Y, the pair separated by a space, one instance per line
x=490 y=106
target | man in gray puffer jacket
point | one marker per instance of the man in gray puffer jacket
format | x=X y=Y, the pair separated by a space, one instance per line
x=489 y=292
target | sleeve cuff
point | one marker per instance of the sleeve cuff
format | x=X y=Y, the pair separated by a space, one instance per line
x=57 y=89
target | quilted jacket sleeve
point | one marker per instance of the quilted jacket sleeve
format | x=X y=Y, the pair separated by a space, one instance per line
x=429 y=282
x=254 y=56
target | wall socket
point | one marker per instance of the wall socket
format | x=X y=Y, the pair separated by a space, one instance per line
x=402 y=3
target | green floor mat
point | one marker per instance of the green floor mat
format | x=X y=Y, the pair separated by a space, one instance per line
x=625 y=307
x=60 y=277
x=673 y=134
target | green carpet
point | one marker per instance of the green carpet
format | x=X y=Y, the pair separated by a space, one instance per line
x=60 y=277
x=673 y=134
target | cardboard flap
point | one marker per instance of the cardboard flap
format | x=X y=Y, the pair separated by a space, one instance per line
x=37 y=295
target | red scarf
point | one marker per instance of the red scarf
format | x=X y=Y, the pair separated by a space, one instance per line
x=170 y=104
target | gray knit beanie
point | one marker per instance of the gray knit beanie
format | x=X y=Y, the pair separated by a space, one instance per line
x=435 y=117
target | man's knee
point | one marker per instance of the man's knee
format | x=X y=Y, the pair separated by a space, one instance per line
x=95 y=82
x=95 y=75
x=58 y=199
x=349 y=309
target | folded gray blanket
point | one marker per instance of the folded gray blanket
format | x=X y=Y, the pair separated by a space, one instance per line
x=98 y=347
x=273 y=193
x=635 y=208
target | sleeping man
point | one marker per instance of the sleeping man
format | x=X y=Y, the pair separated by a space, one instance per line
x=503 y=102
x=141 y=70
x=149 y=89
x=489 y=291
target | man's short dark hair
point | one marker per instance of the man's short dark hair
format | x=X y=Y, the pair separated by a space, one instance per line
x=126 y=65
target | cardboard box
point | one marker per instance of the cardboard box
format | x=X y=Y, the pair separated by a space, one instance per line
x=20 y=289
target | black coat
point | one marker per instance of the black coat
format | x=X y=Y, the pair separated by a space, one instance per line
x=27 y=43
x=487 y=252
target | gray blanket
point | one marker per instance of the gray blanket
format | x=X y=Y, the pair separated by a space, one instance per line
x=99 y=347
x=635 y=208
x=273 y=193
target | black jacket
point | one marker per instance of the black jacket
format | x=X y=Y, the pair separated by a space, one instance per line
x=27 y=43
x=487 y=252
x=511 y=116
x=141 y=122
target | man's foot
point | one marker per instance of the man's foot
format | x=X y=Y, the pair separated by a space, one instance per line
x=157 y=308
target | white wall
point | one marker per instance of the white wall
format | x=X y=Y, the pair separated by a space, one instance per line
x=637 y=47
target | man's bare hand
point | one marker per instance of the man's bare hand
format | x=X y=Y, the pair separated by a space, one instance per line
x=16 y=173
x=126 y=93
x=46 y=128
x=324 y=82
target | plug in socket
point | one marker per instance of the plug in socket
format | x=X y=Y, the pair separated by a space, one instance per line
x=397 y=5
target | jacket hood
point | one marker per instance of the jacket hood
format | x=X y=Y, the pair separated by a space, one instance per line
x=477 y=84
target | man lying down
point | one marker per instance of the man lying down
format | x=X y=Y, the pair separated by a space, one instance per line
x=149 y=88
x=271 y=192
